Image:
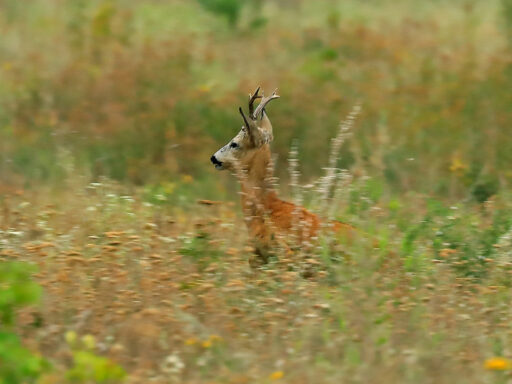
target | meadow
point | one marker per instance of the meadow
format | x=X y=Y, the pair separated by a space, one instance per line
x=124 y=254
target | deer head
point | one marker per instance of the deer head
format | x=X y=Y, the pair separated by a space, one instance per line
x=255 y=133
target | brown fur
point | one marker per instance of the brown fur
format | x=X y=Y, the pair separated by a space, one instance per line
x=268 y=217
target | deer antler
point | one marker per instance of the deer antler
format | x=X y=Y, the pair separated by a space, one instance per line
x=250 y=124
x=264 y=101
x=252 y=99
x=246 y=123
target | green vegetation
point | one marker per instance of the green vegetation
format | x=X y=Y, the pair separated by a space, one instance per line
x=87 y=366
x=17 y=364
x=231 y=9
x=20 y=365
x=109 y=113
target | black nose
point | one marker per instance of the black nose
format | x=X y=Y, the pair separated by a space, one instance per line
x=214 y=160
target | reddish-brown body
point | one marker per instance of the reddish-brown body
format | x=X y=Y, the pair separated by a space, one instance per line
x=271 y=220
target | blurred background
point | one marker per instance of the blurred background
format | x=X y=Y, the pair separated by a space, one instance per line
x=109 y=113
x=144 y=91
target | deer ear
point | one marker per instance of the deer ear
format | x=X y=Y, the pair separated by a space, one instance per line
x=257 y=135
x=249 y=127
x=246 y=123
x=265 y=126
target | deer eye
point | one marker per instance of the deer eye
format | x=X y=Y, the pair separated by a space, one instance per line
x=233 y=145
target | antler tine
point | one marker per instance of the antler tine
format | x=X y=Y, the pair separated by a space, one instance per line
x=252 y=98
x=247 y=126
x=263 y=103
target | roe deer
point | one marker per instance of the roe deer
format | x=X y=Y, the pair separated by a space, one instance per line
x=248 y=156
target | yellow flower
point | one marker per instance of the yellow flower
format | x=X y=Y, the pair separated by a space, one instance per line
x=497 y=364
x=276 y=375
x=204 y=88
x=89 y=341
x=70 y=337
x=207 y=344
x=457 y=165
x=191 y=341
x=214 y=338
x=169 y=187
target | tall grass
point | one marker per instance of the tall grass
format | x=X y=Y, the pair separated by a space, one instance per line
x=166 y=292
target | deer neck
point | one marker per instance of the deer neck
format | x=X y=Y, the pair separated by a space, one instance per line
x=255 y=180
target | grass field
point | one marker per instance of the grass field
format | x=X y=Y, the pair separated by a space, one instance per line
x=111 y=268
x=170 y=296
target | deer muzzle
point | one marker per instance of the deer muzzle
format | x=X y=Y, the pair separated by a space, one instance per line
x=217 y=163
